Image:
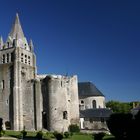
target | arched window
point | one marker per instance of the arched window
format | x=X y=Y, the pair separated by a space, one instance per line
x=94 y=103
x=82 y=102
x=65 y=115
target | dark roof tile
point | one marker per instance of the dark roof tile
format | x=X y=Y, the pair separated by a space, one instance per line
x=95 y=113
x=88 y=89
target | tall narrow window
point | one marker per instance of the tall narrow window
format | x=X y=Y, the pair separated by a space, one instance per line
x=3 y=58
x=8 y=44
x=94 y=103
x=7 y=58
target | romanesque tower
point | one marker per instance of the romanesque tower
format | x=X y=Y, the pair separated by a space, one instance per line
x=17 y=71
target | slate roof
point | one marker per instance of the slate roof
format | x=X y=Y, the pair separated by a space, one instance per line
x=95 y=113
x=87 y=89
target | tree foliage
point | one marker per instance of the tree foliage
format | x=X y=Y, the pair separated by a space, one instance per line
x=119 y=107
x=124 y=126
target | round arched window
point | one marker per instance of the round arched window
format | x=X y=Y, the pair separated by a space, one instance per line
x=94 y=103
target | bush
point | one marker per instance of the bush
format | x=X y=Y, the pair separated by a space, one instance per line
x=119 y=124
x=2 y=133
x=66 y=134
x=58 y=136
x=99 y=136
x=48 y=136
x=39 y=134
x=23 y=133
x=74 y=128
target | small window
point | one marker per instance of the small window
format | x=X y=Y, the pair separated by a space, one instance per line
x=26 y=61
x=82 y=102
x=28 y=57
x=8 y=44
x=22 y=54
x=21 y=59
x=7 y=102
x=3 y=58
x=25 y=56
x=65 y=115
x=12 y=57
x=7 y=58
x=94 y=103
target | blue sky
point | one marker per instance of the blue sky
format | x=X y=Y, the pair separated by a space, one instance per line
x=98 y=40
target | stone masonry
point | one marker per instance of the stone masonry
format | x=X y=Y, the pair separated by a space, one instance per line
x=32 y=101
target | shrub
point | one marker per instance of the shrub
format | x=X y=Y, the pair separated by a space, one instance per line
x=119 y=125
x=74 y=128
x=58 y=136
x=48 y=136
x=23 y=133
x=99 y=136
x=39 y=134
x=2 y=133
x=66 y=134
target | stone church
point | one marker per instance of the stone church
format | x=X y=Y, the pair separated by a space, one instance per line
x=32 y=101
x=36 y=102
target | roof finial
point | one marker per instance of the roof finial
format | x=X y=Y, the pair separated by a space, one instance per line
x=16 y=29
x=31 y=45
x=1 y=42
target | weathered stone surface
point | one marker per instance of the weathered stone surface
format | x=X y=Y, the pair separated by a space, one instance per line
x=29 y=100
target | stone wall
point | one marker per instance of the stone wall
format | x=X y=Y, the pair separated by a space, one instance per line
x=87 y=102
x=61 y=102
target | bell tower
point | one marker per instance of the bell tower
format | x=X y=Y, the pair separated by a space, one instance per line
x=17 y=70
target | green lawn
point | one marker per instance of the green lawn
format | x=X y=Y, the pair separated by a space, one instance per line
x=88 y=137
x=81 y=137
x=74 y=137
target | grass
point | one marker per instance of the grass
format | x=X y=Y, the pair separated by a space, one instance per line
x=12 y=133
x=109 y=137
x=79 y=136
x=88 y=137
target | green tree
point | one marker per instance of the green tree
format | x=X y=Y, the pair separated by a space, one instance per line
x=119 y=107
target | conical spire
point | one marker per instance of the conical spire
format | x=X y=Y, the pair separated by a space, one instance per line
x=16 y=31
x=1 y=43
x=31 y=45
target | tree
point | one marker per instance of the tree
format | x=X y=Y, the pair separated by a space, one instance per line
x=119 y=107
x=124 y=126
